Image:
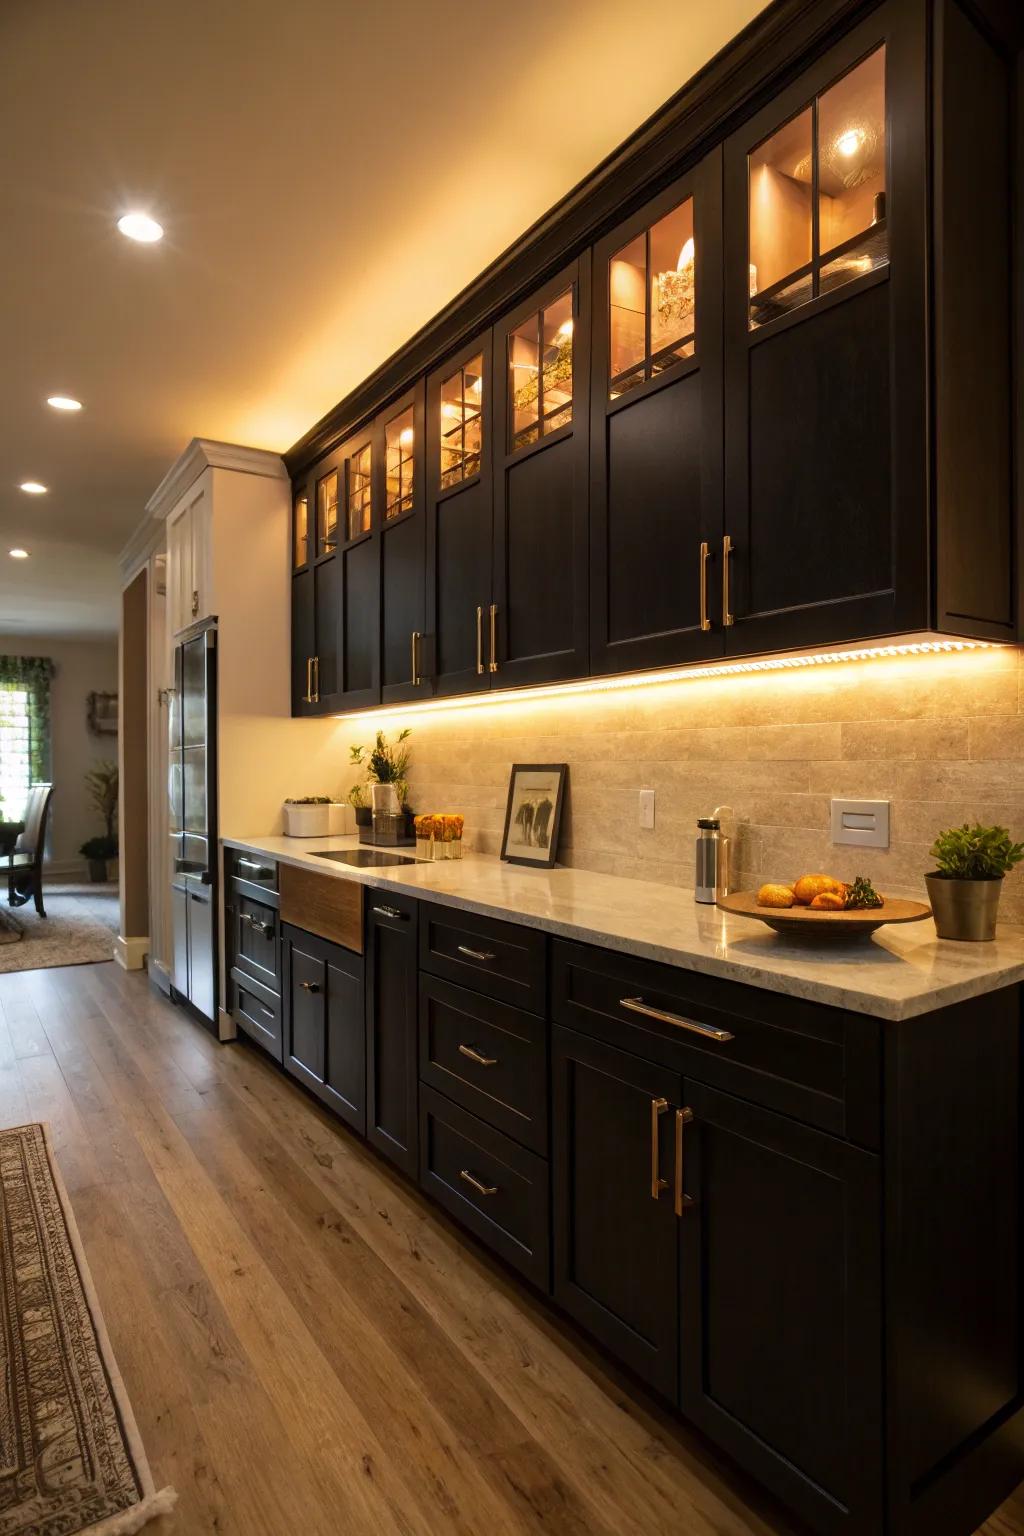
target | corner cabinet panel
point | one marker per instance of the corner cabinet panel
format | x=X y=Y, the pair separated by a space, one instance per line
x=541 y=491
x=656 y=431
x=391 y=1005
x=826 y=432
x=781 y=1306
x=459 y=428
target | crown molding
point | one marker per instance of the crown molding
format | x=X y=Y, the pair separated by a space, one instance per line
x=147 y=538
x=206 y=453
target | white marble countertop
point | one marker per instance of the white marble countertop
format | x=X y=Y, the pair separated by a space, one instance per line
x=896 y=974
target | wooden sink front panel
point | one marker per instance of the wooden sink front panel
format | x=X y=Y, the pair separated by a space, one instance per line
x=321 y=904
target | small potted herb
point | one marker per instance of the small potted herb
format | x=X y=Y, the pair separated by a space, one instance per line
x=357 y=800
x=386 y=766
x=971 y=864
x=309 y=816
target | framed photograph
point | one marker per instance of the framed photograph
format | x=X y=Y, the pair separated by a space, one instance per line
x=534 y=813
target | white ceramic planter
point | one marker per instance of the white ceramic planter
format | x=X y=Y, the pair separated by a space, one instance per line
x=307 y=820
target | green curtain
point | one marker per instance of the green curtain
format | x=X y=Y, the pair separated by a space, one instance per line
x=32 y=674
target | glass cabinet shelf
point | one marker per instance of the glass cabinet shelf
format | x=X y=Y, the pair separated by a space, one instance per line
x=540 y=373
x=300 y=532
x=462 y=402
x=817 y=196
x=327 y=513
x=652 y=301
x=359 y=498
x=399 y=464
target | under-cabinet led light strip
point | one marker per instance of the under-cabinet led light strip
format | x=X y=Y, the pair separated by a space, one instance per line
x=596 y=685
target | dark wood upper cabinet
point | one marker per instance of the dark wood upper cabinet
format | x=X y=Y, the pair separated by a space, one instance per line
x=459 y=429
x=541 y=493
x=357 y=676
x=405 y=662
x=656 y=434
x=316 y=631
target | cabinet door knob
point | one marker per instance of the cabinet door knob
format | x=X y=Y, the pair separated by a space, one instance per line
x=475 y=954
x=481 y=1189
x=479 y=641
x=474 y=1055
x=684 y=1117
x=492 y=665
x=658 y=1108
x=727 y=614
x=310 y=986
x=705 y=622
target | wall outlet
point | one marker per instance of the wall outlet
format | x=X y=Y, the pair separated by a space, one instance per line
x=647 y=809
x=862 y=823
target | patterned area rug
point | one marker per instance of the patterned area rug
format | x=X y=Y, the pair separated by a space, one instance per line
x=70 y=1456
x=79 y=928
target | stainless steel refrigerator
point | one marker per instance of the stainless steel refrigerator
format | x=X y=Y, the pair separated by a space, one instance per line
x=193 y=819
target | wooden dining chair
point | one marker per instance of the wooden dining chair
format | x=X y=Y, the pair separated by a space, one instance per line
x=25 y=866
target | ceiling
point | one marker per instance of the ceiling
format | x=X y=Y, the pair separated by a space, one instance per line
x=329 y=174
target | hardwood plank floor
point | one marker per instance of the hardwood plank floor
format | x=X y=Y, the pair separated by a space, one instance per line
x=308 y=1345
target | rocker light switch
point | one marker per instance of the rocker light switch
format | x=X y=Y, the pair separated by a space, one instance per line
x=864 y=823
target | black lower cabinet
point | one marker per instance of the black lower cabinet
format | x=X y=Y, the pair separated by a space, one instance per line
x=324 y=1033
x=391 y=1075
x=616 y=1239
x=781 y=1335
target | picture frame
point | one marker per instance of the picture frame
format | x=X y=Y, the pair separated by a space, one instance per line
x=533 y=814
x=102 y=714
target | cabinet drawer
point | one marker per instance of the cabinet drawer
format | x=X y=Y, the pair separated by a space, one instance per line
x=818 y=1064
x=257 y=1011
x=494 y=1187
x=257 y=946
x=488 y=1057
x=504 y=960
x=251 y=872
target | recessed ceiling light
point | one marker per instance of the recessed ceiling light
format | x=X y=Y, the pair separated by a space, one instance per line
x=18 y=554
x=33 y=487
x=139 y=226
x=63 y=403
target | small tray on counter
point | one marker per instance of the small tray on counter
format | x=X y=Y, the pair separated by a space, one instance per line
x=806 y=922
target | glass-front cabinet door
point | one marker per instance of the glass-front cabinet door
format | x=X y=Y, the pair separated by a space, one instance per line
x=655 y=414
x=824 y=390
x=356 y=678
x=536 y=629
x=458 y=432
x=406 y=660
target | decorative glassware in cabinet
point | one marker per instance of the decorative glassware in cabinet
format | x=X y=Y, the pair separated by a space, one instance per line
x=462 y=422
x=652 y=301
x=540 y=373
x=327 y=513
x=300 y=533
x=837 y=146
x=400 y=469
x=359 y=505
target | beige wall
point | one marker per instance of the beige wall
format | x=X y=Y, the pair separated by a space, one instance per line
x=133 y=761
x=82 y=667
x=941 y=737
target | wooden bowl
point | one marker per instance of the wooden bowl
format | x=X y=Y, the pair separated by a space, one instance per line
x=803 y=923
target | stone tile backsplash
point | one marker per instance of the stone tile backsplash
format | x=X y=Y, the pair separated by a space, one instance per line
x=940 y=737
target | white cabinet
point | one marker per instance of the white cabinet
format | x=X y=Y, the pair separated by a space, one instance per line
x=188 y=558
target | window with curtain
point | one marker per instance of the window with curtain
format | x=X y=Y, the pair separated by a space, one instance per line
x=24 y=729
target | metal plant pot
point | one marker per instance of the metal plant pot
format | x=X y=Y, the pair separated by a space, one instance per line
x=964 y=909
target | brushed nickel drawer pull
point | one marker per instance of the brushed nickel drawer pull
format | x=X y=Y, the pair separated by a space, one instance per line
x=481 y=1189
x=388 y=912
x=474 y=1055
x=261 y=870
x=256 y=924
x=709 y=1032
x=475 y=954
x=684 y=1117
x=658 y=1108
x=310 y=986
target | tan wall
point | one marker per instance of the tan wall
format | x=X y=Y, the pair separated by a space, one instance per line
x=134 y=766
x=941 y=737
x=82 y=667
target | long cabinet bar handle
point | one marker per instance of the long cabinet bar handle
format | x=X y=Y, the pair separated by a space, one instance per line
x=705 y=622
x=684 y=1117
x=388 y=912
x=658 y=1108
x=474 y=1055
x=416 y=658
x=481 y=1189
x=263 y=870
x=307 y=697
x=479 y=641
x=475 y=954
x=727 y=613
x=492 y=665
x=316 y=679
x=637 y=1005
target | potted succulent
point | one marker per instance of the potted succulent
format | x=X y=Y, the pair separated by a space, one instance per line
x=971 y=863
x=100 y=853
x=307 y=816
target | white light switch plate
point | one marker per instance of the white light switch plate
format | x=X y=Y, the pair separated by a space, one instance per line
x=647 y=809
x=862 y=823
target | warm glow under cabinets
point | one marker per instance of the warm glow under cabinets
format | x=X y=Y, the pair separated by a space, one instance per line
x=840 y=658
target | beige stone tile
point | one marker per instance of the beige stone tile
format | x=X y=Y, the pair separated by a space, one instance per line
x=789 y=810
x=992 y=780
x=996 y=739
x=923 y=820
x=853 y=780
x=796 y=743
x=925 y=739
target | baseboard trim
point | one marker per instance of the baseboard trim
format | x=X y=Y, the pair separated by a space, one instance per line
x=160 y=976
x=130 y=954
